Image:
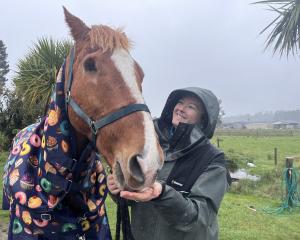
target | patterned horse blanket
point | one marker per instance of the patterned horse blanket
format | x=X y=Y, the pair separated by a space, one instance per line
x=50 y=193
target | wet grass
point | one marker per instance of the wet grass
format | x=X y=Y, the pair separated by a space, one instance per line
x=238 y=220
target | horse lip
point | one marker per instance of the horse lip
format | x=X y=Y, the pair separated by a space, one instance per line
x=130 y=183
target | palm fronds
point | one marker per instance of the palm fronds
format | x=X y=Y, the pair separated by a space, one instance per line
x=36 y=72
x=286 y=26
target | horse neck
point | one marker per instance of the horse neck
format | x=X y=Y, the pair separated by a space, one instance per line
x=81 y=143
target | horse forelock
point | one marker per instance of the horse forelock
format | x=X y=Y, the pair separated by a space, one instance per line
x=106 y=38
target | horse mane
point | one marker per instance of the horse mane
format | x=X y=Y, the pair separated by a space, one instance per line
x=107 y=38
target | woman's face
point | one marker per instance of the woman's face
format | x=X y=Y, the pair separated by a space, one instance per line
x=187 y=110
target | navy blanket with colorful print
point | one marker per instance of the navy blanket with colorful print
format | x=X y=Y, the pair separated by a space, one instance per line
x=50 y=194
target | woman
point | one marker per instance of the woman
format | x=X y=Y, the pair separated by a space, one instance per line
x=183 y=203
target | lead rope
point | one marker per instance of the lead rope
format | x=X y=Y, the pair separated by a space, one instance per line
x=123 y=220
x=123 y=217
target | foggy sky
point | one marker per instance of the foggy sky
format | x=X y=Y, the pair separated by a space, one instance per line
x=179 y=43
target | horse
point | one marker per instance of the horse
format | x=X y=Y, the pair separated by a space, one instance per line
x=54 y=181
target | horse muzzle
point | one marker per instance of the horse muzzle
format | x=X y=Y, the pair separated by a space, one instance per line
x=135 y=175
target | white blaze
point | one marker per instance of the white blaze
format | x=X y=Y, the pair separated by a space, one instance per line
x=126 y=66
x=150 y=154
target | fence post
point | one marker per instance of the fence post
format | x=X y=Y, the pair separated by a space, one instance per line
x=275 y=156
x=289 y=162
x=218 y=142
x=289 y=165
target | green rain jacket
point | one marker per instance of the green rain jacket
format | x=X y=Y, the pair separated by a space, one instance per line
x=185 y=215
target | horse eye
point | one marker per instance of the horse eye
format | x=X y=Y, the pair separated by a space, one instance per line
x=90 y=65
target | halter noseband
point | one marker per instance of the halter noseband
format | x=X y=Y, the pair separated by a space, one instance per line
x=96 y=125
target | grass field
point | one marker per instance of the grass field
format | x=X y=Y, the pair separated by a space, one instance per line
x=237 y=221
x=260 y=150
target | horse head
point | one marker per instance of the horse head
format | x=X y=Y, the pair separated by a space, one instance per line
x=105 y=78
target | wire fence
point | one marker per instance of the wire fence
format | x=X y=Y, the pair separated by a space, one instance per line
x=257 y=132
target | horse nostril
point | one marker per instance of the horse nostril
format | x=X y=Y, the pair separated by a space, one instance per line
x=136 y=170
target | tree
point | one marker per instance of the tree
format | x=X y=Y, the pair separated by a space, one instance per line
x=14 y=116
x=35 y=76
x=4 y=67
x=286 y=26
x=221 y=113
x=36 y=73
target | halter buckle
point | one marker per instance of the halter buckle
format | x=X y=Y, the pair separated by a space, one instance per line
x=93 y=127
x=68 y=94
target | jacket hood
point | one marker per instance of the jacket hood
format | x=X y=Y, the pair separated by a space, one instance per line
x=210 y=104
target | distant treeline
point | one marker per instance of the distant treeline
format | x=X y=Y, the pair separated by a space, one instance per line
x=257 y=132
x=293 y=115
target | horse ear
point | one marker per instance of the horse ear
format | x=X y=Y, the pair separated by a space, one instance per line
x=77 y=27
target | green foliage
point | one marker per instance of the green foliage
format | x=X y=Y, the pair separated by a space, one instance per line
x=244 y=186
x=4 y=67
x=4 y=141
x=237 y=160
x=3 y=214
x=34 y=79
x=270 y=185
x=14 y=115
x=36 y=72
x=285 y=34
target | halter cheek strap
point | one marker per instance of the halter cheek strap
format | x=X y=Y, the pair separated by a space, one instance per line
x=110 y=118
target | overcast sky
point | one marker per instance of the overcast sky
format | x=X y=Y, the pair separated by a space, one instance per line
x=179 y=43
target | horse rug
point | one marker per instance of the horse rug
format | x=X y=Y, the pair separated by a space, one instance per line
x=49 y=192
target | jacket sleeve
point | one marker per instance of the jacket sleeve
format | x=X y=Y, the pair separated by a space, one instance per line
x=200 y=206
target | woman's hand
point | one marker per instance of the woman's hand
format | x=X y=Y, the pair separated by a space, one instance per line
x=112 y=186
x=146 y=195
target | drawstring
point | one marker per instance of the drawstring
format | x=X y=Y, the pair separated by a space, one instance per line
x=172 y=130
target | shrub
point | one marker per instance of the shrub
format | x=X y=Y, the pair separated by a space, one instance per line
x=234 y=160
x=4 y=142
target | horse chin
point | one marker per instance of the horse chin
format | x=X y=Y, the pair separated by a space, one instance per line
x=133 y=186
